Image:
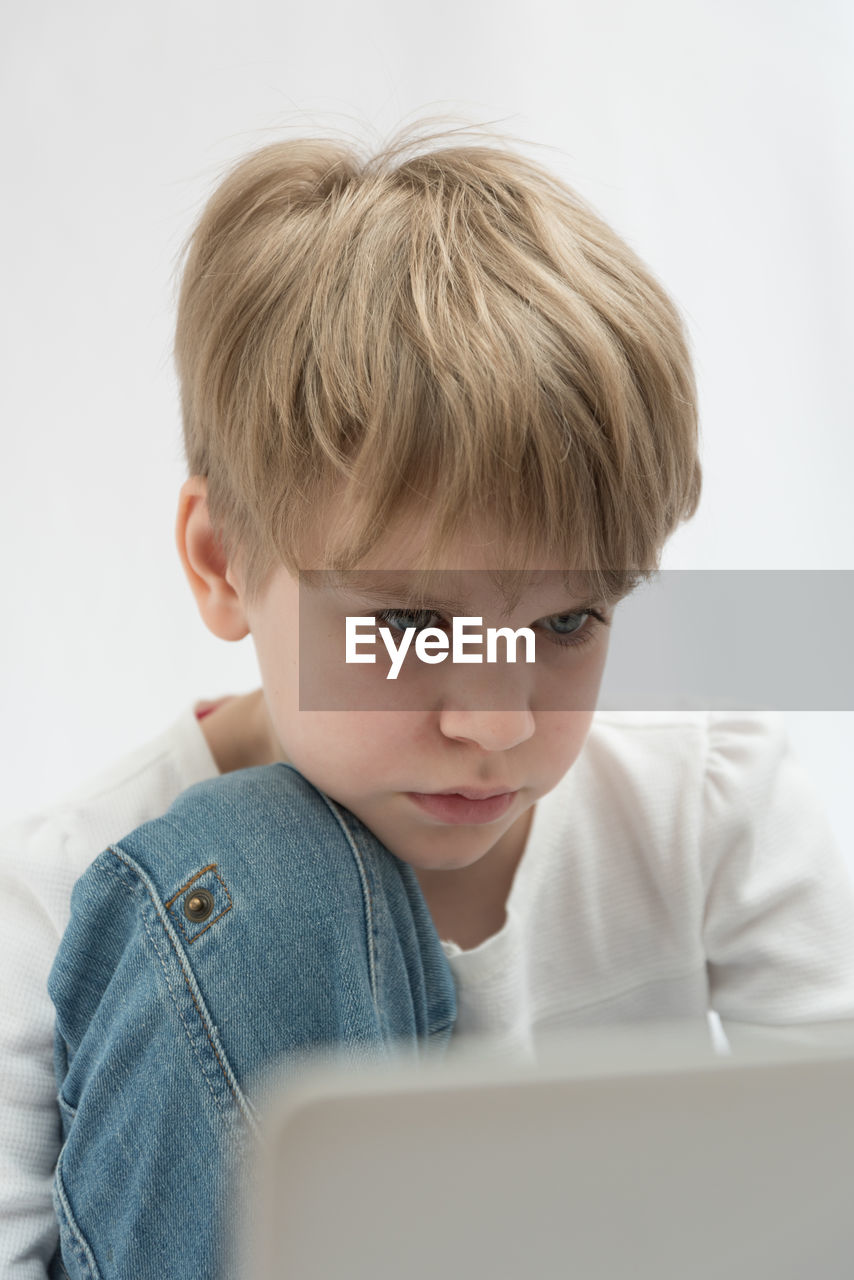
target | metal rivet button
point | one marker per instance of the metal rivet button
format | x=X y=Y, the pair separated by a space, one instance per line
x=198 y=905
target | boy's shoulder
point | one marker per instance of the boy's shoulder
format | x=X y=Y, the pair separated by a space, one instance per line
x=612 y=730
x=637 y=753
x=671 y=759
x=686 y=723
x=683 y=717
x=45 y=851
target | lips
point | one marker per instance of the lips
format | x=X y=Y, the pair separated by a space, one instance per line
x=456 y=809
x=472 y=793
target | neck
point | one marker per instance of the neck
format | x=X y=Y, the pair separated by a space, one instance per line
x=240 y=735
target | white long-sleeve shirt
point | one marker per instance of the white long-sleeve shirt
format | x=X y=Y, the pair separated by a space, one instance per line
x=684 y=863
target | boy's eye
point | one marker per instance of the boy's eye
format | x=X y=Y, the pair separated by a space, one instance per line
x=567 y=623
x=570 y=626
x=412 y=618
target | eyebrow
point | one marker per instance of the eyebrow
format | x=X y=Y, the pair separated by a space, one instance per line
x=390 y=592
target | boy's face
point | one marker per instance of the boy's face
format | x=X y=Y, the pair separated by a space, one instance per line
x=371 y=761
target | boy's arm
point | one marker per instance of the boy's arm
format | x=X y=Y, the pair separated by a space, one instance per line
x=779 y=900
x=254 y=921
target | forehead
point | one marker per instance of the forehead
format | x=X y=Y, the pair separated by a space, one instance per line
x=454 y=590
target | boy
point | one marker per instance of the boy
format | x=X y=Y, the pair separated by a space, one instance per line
x=450 y=362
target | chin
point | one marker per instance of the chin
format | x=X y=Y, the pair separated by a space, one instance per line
x=450 y=862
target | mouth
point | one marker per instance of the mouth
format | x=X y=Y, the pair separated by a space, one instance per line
x=471 y=793
x=457 y=808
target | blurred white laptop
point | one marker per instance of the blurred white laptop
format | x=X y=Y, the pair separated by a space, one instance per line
x=634 y=1152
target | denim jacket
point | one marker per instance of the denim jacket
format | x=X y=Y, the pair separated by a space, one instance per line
x=255 y=919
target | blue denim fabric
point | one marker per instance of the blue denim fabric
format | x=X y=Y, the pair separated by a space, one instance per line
x=317 y=936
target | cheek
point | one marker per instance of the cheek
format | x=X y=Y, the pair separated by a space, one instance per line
x=569 y=680
x=346 y=750
x=562 y=734
x=277 y=651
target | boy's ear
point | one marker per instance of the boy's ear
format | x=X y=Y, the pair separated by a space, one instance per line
x=204 y=563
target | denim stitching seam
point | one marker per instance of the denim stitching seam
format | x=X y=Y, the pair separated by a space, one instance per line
x=180 y=923
x=243 y=1103
x=177 y=1004
x=66 y=1106
x=210 y=867
x=366 y=894
x=78 y=1239
x=196 y=936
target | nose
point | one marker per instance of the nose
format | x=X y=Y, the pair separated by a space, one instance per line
x=491 y=730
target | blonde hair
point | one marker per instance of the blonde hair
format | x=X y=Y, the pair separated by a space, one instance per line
x=454 y=331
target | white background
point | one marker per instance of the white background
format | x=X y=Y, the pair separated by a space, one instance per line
x=716 y=137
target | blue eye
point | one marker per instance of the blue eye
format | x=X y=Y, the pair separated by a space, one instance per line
x=578 y=637
x=410 y=615
x=568 y=639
